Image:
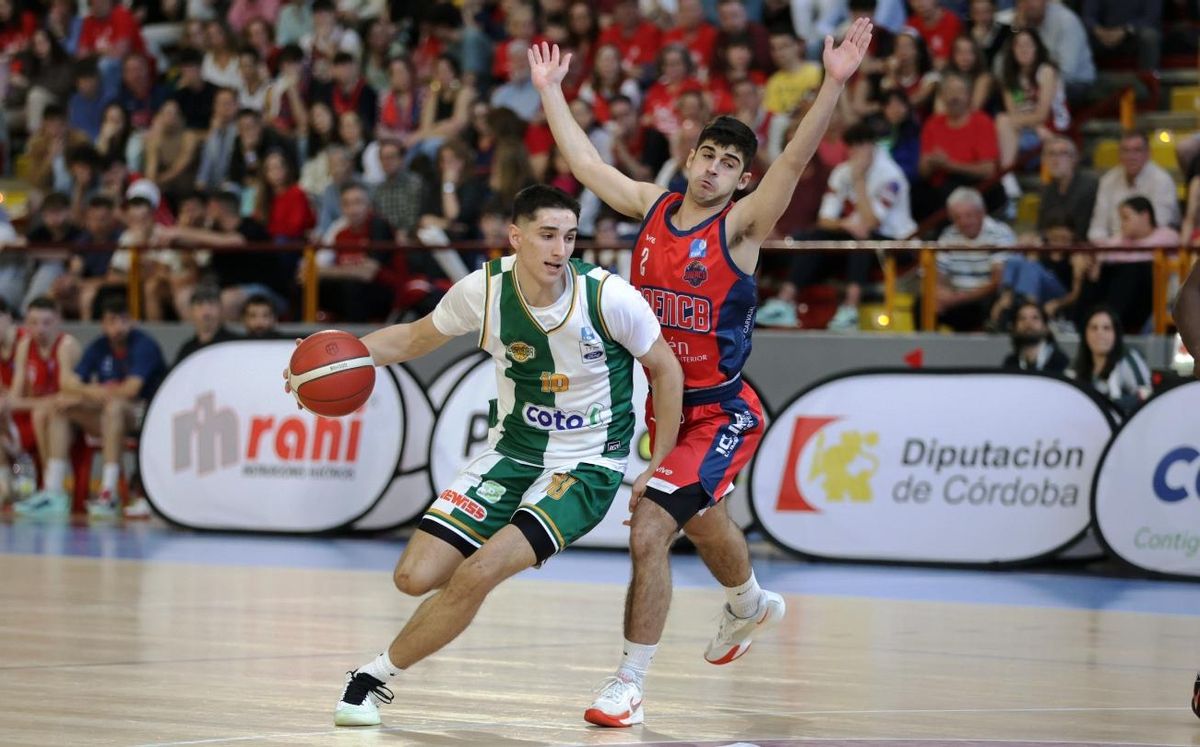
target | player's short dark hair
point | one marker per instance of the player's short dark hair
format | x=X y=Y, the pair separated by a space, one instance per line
x=542 y=196
x=728 y=132
x=114 y=305
x=250 y=52
x=54 y=111
x=45 y=303
x=344 y=58
x=324 y=6
x=259 y=299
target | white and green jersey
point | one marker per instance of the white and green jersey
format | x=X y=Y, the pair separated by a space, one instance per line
x=564 y=373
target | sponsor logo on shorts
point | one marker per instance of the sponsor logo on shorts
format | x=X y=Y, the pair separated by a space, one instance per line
x=553 y=419
x=466 y=505
x=490 y=491
x=612 y=446
x=521 y=352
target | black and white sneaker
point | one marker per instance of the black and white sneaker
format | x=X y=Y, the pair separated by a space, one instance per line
x=360 y=701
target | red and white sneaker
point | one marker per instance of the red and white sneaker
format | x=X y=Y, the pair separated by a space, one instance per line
x=103 y=506
x=618 y=703
x=736 y=633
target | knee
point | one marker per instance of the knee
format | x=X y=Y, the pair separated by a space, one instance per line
x=474 y=579
x=114 y=411
x=649 y=539
x=412 y=582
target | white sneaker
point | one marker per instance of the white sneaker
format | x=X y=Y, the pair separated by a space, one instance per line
x=618 y=703
x=138 y=509
x=360 y=701
x=736 y=633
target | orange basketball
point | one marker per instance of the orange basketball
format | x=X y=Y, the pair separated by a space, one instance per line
x=331 y=373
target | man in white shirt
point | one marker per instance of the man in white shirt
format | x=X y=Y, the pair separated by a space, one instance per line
x=968 y=279
x=867 y=198
x=1136 y=175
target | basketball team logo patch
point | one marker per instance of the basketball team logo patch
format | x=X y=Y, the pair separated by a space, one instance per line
x=695 y=274
x=521 y=352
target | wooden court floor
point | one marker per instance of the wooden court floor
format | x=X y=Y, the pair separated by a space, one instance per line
x=130 y=652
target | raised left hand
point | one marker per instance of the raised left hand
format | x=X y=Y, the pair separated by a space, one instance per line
x=842 y=61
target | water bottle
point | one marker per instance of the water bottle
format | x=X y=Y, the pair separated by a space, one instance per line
x=24 y=476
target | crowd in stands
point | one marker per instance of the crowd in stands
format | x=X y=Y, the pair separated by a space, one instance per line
x=202 y=131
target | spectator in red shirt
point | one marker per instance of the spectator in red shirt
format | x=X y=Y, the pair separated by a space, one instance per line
x=282 y=204
x=733 y=22
x=675 y=78
x=355 y=282
x=958 y=148
x=607 y=82
x=937 y=26
x=693 y=32
x=110 y=31
x=16 y=28
x=638 y=39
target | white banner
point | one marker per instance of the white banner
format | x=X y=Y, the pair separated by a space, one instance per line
x=410 y=492
x=223 y=447
x=938 y=467
x=1147 y=494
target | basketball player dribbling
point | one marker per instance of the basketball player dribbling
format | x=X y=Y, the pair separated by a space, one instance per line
x=564 y=336
x=694 y=262
x=1187 y=320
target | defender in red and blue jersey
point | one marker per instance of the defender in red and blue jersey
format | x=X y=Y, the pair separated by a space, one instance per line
x=694 y=261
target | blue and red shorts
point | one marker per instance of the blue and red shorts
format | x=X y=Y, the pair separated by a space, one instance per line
x=716 y=441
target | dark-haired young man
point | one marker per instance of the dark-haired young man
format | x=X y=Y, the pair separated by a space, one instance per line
x=694 y=262
x=564 y=336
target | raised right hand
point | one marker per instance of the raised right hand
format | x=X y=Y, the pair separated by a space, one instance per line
x=546 y=67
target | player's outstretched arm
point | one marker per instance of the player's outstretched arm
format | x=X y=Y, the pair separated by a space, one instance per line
x=618 y=191
x=754 y=217
x=1187 y=313
x=404 y=342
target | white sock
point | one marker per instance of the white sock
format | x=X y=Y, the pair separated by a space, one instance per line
x=56 y=474
x=109 y=477
x=381 y=668
x=635 y=660
x=744 y=599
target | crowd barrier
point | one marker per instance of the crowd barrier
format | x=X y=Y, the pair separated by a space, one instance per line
x=1167 y=263
x=962 y=467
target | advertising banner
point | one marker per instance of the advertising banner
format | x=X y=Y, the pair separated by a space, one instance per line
x=935 y=466
x=410 y=491
x=223 y=447
x=1147 y=493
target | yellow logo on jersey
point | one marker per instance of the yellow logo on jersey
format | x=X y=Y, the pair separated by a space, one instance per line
x=521 y=352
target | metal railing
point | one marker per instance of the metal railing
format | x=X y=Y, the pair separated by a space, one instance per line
x=1166 y=263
